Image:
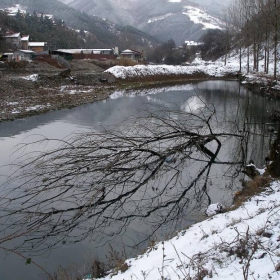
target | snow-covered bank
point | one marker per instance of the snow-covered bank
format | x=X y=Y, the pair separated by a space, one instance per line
x=214 y=69
x=233 y=245
x=259 y=82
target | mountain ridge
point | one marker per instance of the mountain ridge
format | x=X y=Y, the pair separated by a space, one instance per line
x=174 y=21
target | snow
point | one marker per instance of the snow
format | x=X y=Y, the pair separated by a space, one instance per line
x=29 y=108
x=199 y=16
x=222 y=246
x=215 y=69
x=33 y=77
x=15 y=9
x=226 y=245
x=214 y=209
x=72 y=90
x=153 y=19
x=36 y=107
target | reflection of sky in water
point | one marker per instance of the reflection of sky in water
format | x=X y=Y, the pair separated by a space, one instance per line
x=230 y=105
x=193 y=104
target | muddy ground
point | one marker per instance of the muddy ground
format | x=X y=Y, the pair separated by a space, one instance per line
x=38 y=87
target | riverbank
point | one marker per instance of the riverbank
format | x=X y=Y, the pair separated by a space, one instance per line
x=39 y=87
x=239 y=244
x=164 y=264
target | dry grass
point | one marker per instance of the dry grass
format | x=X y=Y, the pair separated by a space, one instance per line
x=17 y=64
x=250 y=189
x=127 y=62
x=167 y=78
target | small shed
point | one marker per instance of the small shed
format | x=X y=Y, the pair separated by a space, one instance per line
x=132 y=54
x=23 y=55
x=24 y=42
x=37 y=46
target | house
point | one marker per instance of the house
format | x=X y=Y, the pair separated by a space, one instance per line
x=14 y=39
x=132 y=54
x=37 y=46
x=23 y=55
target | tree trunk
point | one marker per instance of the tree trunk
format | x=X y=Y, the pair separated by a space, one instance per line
x=240 y=59
x=255 y=54
x=275 y=43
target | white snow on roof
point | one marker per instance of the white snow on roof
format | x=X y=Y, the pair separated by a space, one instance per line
x=36 y=44
x=153 y=19
x=199 y=16
x=15 y=35
x=25 y=38
x=25 y=51
x=89 y=51
x=175 y=1
x=127 y=51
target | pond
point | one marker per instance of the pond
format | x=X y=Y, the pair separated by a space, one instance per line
x=236 y=110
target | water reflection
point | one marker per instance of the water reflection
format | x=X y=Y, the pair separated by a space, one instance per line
x=236 y=109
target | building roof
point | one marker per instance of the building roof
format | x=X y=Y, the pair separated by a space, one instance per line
x=128 y=51
x=25 y=51
x=25 y=38
x=14 y=35
x=88 y=51
x=36 y=44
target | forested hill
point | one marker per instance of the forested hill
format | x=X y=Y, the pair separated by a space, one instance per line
x=101 y=32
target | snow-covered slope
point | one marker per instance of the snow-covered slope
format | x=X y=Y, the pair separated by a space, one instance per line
x=199 y=16
x=242 y=244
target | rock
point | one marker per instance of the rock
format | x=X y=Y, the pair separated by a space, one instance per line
x=103 y=80
x=214 y=209
x=65 y=73
x=170 y=159
x=251 y=171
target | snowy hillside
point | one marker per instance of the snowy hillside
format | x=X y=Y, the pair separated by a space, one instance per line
x=199 y=16
x=180 y=20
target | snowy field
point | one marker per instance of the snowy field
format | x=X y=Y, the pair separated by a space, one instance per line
x=233 y=245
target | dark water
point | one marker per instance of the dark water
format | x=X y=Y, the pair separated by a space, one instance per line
x=235 y=107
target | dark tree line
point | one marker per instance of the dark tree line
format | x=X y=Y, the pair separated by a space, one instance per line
x=42 y=29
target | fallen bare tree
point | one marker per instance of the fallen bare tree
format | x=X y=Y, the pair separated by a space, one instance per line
x=99 y=182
